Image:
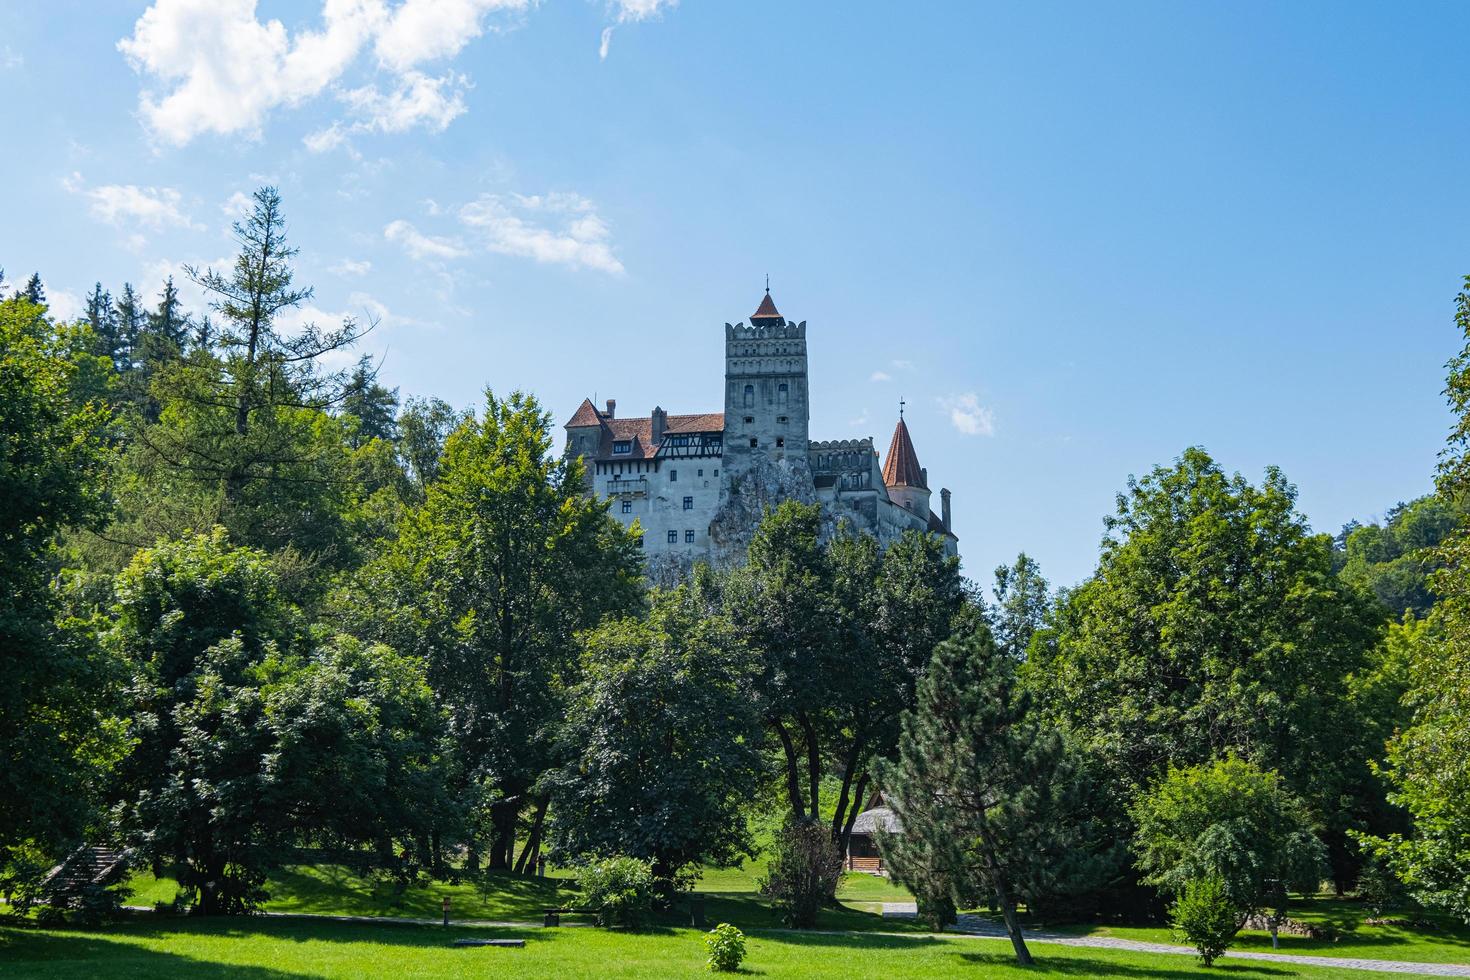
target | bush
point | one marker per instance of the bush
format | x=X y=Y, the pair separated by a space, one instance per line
x=622 y=888
x=98 y=905
x=803 y=872
x=726 y=945
x=1204 y=916
x=1381 y=890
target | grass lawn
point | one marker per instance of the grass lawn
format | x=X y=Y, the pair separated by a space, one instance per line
x=1448 y=942
x=729 y=894
x=278 y=949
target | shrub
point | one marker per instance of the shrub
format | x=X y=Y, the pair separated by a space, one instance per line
x=1381 y=890
x=621 y=887
x=803 y=873
x=1204 y=916
x=98 y=905
x=726 y=945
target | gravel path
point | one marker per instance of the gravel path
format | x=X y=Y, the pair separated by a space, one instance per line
x=983 y=928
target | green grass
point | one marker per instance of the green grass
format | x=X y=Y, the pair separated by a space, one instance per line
x=282 y=949
x=1448 y=942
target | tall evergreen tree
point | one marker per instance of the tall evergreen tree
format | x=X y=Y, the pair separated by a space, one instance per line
x=102 y=318
x=977 y=785
x=131 y=318
x=373 y=405
x=34 y=293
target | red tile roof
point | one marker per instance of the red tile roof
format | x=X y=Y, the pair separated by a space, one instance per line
x=901 y=467
x=767 y=312
x=587 y=414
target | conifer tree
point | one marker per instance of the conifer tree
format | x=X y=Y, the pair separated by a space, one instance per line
x=103 y=320
x=34 y=292
x=977 y=786
x=130 y=320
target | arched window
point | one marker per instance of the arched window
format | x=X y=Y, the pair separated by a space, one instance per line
x=781 y=395
x=750 y=396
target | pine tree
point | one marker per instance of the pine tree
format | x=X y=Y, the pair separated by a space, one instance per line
x=168 y=327
x=977 y=786
x=374 y=406
x=130 y=321
x=103 y=320
x=34 y=291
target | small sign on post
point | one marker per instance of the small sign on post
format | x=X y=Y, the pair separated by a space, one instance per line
x=446 y=910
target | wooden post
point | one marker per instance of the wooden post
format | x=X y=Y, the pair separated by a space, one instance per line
x=446 y=910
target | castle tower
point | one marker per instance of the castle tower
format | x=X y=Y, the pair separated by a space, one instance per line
x=766 y=408
x=906 y=480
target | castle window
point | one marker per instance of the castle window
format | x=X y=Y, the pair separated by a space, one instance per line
x=781 y=394
x=627 y=507
x=701 y=472
x=673 y=537
x=782 y=419
x=622 y=446
x=749 y=419
x=673 y=476
x=688 y=503
x=688 y=537
x=750 y=396
x=780 y=442
x=754 y=442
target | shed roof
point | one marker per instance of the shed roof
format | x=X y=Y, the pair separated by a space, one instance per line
x=880 y=817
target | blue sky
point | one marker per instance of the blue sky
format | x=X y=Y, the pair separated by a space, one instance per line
x=1075 y=238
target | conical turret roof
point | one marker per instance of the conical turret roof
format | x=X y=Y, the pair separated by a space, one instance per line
x=901 y=466
x=766 y=314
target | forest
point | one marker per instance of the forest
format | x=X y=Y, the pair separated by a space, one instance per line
x=254 y=607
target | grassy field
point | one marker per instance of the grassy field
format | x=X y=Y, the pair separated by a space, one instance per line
x=1447 y=942
x=280 y=949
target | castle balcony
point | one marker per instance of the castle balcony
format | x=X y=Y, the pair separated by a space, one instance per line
x=620 y=487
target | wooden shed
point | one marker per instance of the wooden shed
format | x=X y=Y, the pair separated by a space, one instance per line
x=862 y=845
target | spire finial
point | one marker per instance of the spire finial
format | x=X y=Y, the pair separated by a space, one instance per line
x=768 y=282
x=901 y=404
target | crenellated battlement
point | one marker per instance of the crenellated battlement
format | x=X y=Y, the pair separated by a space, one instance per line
x=783 y=331
x=838 y=445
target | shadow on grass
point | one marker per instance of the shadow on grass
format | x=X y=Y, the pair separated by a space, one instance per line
x=46 y=955
x=338 y=889
x=1084 y=966
x=752 y=912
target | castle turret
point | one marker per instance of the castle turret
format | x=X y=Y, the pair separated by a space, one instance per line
x=906 y=480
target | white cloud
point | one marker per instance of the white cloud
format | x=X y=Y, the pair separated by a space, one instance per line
x=968 y=416
x=880 y=376
x=212 y=66
x=903 y=365
x=606 y=43
x=560 y=228
x=10 y=58
x=636 y=10
x=421 y=246
x=62 y=304
x=352 y=267
x=119 y=204
x=237 y=205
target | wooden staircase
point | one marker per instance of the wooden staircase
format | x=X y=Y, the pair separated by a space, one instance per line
x=87 y=865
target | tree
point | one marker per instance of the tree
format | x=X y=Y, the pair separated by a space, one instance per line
x=1214 y=625
x=56 y=728
x=131 y=320
x=1205 y=917
x=489 y=581
x=1022 y=599
x=1394 y=560
x=423 y=426
x=371 y=404
x=843 y=631
x=252 y=733
x=1428 y=764
x=34 y=293
x=1231 y=821
x=978 y=785
x=803 y=871
x=102 y=317
x=662 y=741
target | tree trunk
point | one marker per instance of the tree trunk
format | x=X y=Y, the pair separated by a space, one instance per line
x=852 y=814
x=813 y=764
x=839 y=815
x=1013 y=925
x=533 y=840
x=793 y=777
x=502 y=847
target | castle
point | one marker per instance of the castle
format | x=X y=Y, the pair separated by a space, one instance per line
x=699 y=484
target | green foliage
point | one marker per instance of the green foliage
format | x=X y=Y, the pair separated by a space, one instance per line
x=488 y=583
x=662 y=742
x=979 y=787
x=57 y=735
x=251 y=733
x=802 y=874
x=1230 y=821
x=1205 y=917
x=1022 y=601
x=621 y=887
x=1394 y=560
x=1428 y=761
x=726 y=945
x=1215 y=625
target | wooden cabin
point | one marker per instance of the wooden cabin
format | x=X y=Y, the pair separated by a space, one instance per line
x=862 y=844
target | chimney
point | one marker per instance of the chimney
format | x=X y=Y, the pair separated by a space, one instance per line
x=944 y=508
x=658 y=421
x=612 y=407
x=924 y=477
